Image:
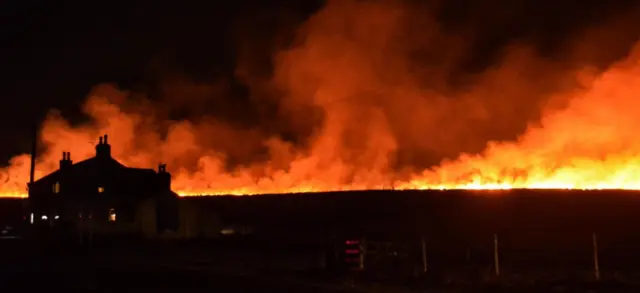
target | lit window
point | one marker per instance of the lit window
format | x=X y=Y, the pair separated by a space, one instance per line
x=112 y=215
x=100 y=189
x=56 y=187
x=31 y=218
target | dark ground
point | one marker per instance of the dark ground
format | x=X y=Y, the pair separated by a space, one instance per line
x=136 y=268
x=545 y=243
x=27 y=269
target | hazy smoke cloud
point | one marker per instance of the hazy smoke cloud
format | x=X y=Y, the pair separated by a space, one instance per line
x=375 y=94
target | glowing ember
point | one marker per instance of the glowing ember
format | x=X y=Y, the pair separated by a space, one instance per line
x=366 y=114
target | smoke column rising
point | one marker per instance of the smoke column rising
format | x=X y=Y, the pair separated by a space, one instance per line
x=372 y=95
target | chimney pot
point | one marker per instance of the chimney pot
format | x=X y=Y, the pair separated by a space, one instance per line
x=66 y=160
x=103 y=149
x=164 y=177
x=100 y=141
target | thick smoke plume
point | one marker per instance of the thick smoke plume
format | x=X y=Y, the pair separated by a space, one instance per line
x=370 y=95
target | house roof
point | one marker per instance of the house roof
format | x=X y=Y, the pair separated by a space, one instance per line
x=104 y=170
x=102 y=165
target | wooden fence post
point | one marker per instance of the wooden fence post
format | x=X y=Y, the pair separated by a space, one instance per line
x=424 y=254
x=596 y=264
x=496 y=258
x=363 y=252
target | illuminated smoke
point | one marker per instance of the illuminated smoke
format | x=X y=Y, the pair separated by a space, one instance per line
x=370 y=96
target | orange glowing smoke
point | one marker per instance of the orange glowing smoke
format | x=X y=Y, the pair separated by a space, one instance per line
x=388 y=118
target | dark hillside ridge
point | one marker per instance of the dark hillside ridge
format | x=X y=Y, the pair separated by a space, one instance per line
x=546 y=227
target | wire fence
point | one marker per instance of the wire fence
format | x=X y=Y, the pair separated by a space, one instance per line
x=585 y=257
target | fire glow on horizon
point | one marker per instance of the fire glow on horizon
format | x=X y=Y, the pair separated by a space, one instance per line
x=386 y=121
x=468 y=187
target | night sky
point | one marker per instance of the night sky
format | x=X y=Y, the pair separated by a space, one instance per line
x=53 y=52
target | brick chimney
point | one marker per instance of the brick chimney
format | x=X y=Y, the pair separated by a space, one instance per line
x=164 y=177
x=66 y=161
x=103 y=149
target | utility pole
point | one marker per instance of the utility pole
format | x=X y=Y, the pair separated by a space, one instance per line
x=79 y=227
x=90 y=228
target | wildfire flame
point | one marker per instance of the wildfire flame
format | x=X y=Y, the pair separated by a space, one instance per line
x=367 y=115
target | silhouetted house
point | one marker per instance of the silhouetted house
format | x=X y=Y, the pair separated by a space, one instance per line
x=103 y=197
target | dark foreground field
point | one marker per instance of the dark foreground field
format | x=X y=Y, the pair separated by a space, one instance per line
x=545 y=242
x=194 y=267
x=36 y=268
